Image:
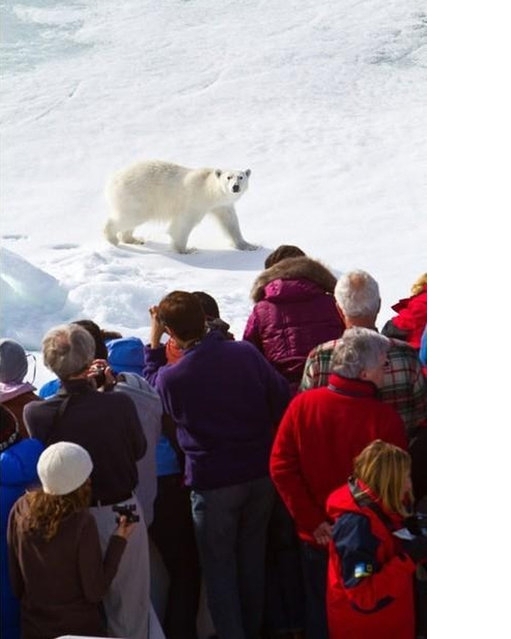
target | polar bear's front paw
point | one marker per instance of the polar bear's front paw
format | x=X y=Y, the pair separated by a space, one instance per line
x=128 y=238
x=185 y=251
x=245 y=246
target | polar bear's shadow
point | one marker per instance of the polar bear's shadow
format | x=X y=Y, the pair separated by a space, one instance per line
x=227 y=259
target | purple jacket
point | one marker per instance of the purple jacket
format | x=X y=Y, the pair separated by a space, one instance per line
x=226 y=401
x=294 y=312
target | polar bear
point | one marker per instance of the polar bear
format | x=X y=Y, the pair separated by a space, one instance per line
x=163 y=192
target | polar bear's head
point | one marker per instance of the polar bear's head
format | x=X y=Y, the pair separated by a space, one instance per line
x=233 y=182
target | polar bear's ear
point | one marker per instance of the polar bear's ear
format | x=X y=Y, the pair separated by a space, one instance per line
x=248 y=172
x=218 y=173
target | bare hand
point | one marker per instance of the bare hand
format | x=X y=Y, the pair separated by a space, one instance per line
x=157 y=328
x=124 y=529
x=323 y=534
x=102 y=368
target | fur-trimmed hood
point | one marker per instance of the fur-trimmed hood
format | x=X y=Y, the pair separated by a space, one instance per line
x=294 y=268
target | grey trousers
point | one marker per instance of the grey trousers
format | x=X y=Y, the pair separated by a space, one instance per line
x=127 y=603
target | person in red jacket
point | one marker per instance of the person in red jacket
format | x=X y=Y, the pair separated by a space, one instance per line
x=321 y=432
x=410 y=321
x=373 y=556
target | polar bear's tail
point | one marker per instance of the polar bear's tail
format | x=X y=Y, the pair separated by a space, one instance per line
x=110 y=232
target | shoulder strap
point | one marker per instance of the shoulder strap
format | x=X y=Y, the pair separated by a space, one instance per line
x=363 y=499
x=57 y=418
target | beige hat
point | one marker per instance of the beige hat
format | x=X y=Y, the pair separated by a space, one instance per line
x=63 y=467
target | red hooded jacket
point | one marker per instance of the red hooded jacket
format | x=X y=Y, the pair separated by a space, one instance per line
x=410 y=321
x=370 y=590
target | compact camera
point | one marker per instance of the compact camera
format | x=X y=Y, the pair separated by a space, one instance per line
x=99 y=375
x=128 y=511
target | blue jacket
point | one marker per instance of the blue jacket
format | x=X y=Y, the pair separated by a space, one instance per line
x=17 y=472
x=423 y=351
x=226 y=400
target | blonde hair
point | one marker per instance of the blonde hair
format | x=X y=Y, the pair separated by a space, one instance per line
x=47 y=511
x=384 y=468
x=419 y=284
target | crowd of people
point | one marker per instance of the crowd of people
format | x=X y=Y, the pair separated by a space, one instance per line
x=284 y=472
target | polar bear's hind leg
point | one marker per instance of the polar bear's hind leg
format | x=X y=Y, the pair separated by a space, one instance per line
x=110 y=232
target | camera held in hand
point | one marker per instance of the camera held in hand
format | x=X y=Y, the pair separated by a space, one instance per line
x=99 y=375
x=128 y=511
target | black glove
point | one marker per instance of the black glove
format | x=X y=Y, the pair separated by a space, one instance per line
x=416 y=524
x=415 y=548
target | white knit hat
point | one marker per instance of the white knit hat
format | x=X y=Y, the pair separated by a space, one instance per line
x=63 y=467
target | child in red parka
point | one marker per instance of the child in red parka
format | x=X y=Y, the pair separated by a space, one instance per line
x=370 y=591
x=410 y=321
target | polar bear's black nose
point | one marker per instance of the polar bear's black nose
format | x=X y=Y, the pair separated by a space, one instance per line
x=236 y=188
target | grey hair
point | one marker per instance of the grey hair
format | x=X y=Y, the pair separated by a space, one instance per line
x=359 y=349
x=357 y=293
x=68 y=350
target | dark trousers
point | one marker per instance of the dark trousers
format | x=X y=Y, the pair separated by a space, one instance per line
x=314 y=566
x=173 y=533
x=285 y=596
x=418 y=449
x=230 y=527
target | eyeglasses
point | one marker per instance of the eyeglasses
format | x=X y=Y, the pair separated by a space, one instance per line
x=32 y=357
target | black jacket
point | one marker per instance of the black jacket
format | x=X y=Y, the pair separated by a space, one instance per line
x=105 y=424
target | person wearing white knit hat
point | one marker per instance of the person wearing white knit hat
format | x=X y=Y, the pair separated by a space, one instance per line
x=55 y=556
x=63 y=467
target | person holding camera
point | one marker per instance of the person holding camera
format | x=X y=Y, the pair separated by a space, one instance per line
x=56 y=564
x=107 y=425
x=225 y=399
x=375 y=548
